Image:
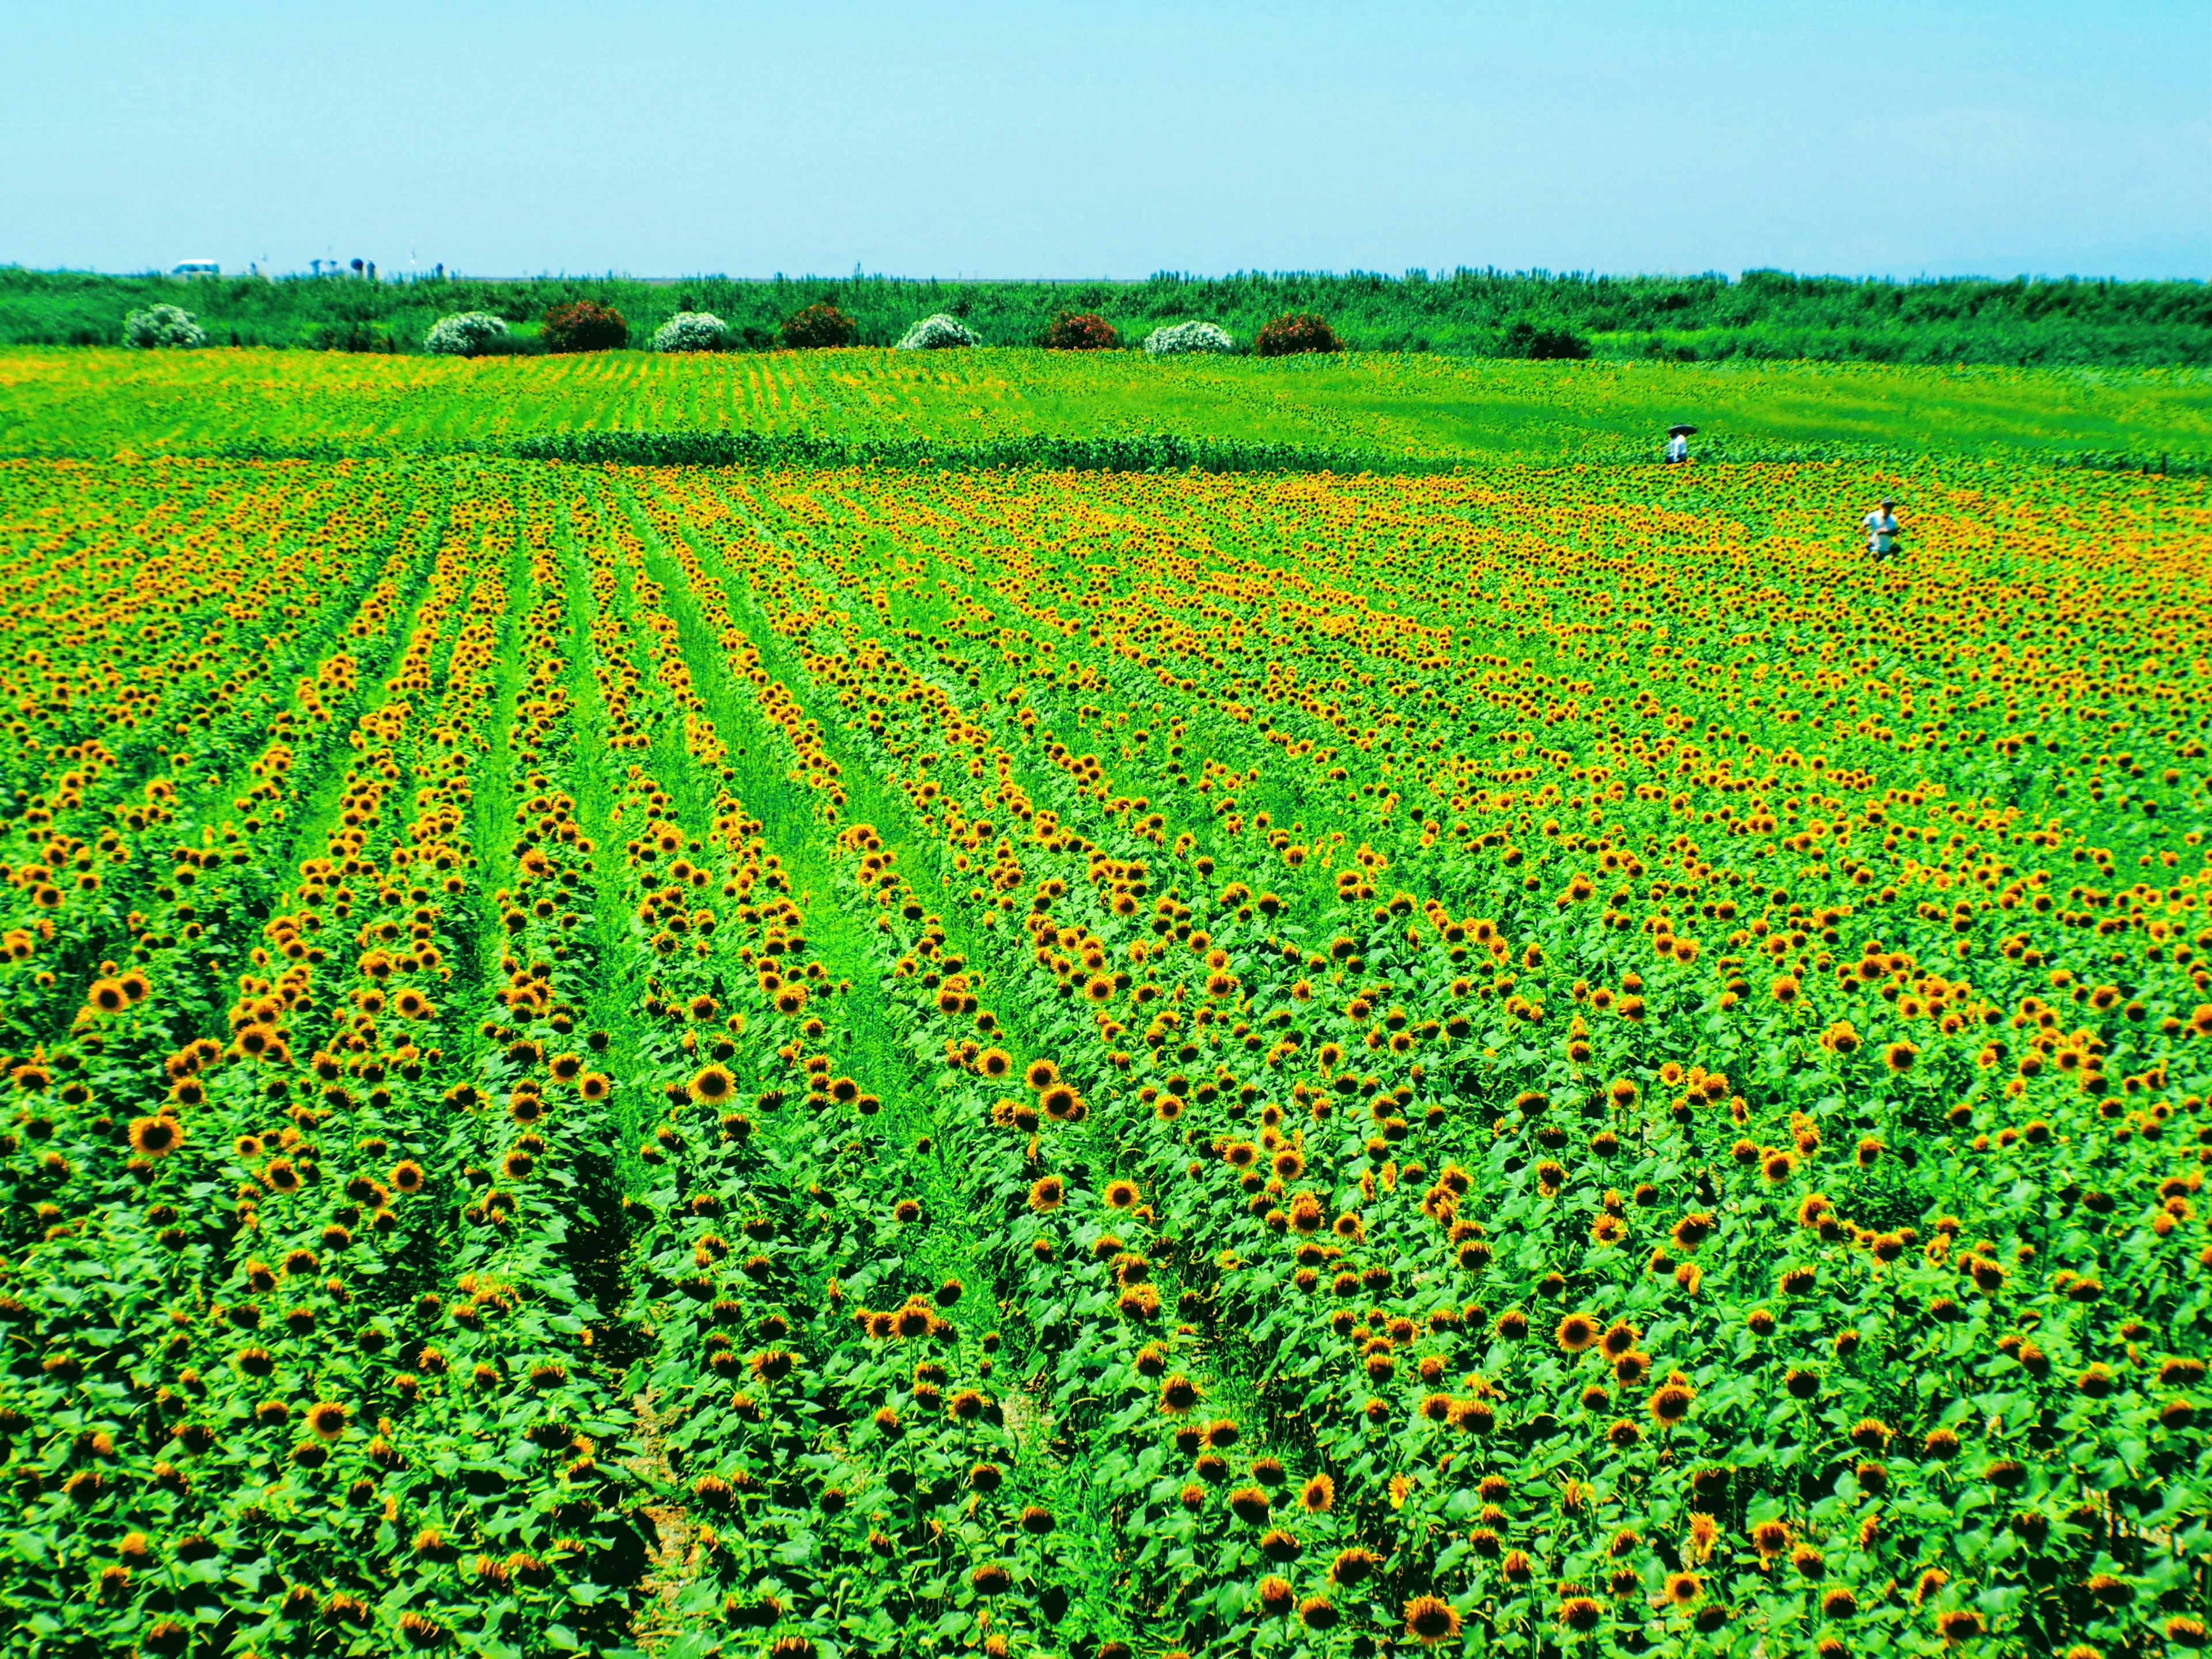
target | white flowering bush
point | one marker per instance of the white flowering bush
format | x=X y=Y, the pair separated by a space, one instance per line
x=692 y=331
x=463 y=334
x=163 y=326
x=937 y=333
x=1171 y=341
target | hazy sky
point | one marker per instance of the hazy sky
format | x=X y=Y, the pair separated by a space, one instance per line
x=1866 y=137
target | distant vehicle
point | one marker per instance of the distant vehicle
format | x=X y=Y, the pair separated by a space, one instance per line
x=195 y=268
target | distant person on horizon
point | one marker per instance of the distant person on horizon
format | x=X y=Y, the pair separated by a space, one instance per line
x=1881 y=527
x=1678 y=446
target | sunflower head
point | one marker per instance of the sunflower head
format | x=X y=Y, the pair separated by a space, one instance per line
x=1576 y=1332
x=156 y=1137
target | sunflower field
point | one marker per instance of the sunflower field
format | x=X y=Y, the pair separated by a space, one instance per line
x=604 y=1060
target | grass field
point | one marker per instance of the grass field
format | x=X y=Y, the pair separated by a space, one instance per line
x=95 y=403
x=1542 y=1059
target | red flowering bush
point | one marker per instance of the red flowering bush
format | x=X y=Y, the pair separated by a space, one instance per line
x=818 y=326
x=1080 y=330
x=1295 y=331
x=584 y=325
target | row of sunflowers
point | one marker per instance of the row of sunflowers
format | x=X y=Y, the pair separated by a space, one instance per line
x=864 y=1062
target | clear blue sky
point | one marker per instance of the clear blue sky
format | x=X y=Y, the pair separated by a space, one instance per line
x=1866 y=137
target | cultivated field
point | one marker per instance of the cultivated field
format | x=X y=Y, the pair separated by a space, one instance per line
x=1388 y=407
x=1534 y=1060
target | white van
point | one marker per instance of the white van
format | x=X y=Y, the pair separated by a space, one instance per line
x=195 y=268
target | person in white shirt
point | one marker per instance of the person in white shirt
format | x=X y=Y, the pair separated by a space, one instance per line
x=1678 y=449
x=1881 y=527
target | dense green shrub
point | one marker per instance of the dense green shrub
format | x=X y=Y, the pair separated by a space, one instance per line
x=1524 y=338
x=585 y=326
x=162 y=328
x=352 y=337
x=821 y=325
x=1296 y=332
x=1080 y=330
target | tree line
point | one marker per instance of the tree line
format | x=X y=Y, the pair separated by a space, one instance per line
x=1760 y=315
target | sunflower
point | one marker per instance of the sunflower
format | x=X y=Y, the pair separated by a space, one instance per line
x=1670 y=1403
x=407 y=1175
x=994 y=1063
x=1958 y=1626
x=1352 y=1566
x=1318 y=1496
x=106 y=996
x=1684 y=1588
x=1705 y=1533
x=1041 y=1074
x=156 y=1137
x=1431 y=1620
x=1048 y=1194
x=594 y=1085
x=1576 y=1333
x=713 y=1086
x=1121 y=1194
x=327 y=1419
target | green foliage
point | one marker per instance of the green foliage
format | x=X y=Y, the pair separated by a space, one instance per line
x=1762 y=316
x=352 y=337
x=1522 y=338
